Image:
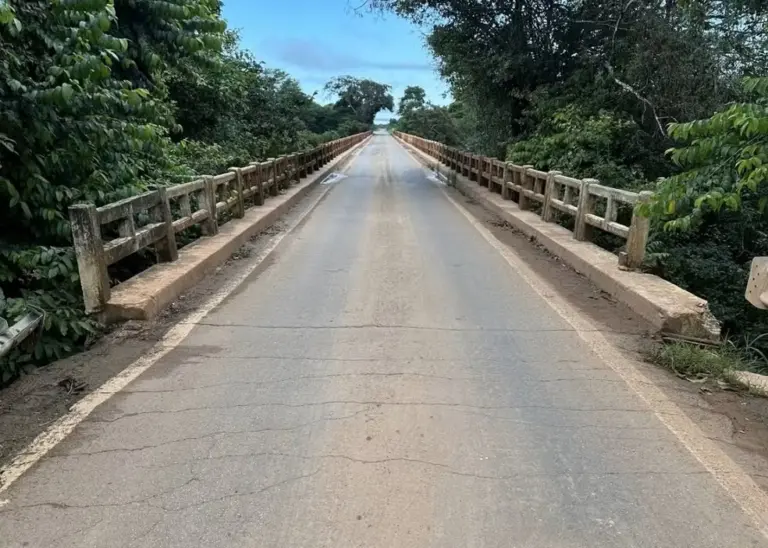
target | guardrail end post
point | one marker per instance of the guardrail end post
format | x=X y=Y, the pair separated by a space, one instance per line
x=210 y=226
x=582 y=231
x=165 y=249
x=546 y=210
x=638 y=234
x=89 y=250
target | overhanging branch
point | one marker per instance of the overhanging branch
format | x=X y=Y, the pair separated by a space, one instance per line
x=629 y=89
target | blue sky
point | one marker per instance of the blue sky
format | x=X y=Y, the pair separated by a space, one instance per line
x=315 y=40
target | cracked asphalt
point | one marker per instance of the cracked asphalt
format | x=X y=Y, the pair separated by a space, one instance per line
x=386 y=381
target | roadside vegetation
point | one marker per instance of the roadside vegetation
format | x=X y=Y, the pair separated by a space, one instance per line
x=103 y=99
x=711 y=365
x=668 y=96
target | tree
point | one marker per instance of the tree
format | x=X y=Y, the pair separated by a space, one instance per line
x=657 y=62
x=414 y=97
x=724 y=162
x=364 y=98
x=71 y=130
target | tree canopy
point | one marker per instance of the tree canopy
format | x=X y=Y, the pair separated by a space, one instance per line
x=364 y=98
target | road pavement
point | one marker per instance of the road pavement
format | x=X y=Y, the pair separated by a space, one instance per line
x=386 y=381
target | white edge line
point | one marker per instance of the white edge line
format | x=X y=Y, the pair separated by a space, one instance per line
x=64 y=426
x=742 y=489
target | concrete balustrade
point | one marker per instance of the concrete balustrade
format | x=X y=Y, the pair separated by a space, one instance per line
x=552 y=194
x=153 y=219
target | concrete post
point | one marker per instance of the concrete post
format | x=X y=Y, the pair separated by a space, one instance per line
x=272 y=176
x=524 y=202
x=507 y=177
x=547 y=213
x=284 y=170
x=240 y=209
x=302 y=164
x=582 y=230
x=89 y=250
x=638 y=233
x=165 y=249
x=258 y=178
x=210 y=226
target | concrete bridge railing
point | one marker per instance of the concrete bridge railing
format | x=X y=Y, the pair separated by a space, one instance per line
x=105 y=235
x=591 y=205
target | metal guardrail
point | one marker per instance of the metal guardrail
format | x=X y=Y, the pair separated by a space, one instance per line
x=12 y=336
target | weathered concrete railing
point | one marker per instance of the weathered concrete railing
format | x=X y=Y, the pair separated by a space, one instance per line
x=154 y=218
x=550 y=193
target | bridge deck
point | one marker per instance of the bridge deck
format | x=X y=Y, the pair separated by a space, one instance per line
x=389 y=380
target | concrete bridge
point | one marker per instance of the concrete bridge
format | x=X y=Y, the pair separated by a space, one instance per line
x=393 y=369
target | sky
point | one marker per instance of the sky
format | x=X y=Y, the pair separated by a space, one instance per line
x=315 y=40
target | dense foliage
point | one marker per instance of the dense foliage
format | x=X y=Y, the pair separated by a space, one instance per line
x=419 y=117
x=604 y=89
x=101 y=99
x=362 y=97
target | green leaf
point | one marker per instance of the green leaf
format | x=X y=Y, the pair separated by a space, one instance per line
x=67 y=91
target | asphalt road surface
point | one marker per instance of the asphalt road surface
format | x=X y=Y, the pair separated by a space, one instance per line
x=386 y=381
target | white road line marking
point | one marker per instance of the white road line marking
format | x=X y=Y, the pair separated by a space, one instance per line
x=731 y=477
x=334 y=177
x=60 y=429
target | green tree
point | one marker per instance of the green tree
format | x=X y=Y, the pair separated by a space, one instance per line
x=414 y=97
x=364 y=98
x=75 y=126
x=724 y=162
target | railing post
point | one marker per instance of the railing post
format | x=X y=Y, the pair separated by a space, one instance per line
x=311 y=155
x=210 y=226
x=240 y=209
x=302 y=164
x=165 y=249
x=638 y=234
x=524 y=202
x=285 y=171
x=546 y=210
x=582 y=230
x=89 y=250
x=272 y=176
x=258 y=174
x=506 y=179
x=290 y=175
x=295 y=175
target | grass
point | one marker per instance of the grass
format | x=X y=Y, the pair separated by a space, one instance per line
x=695 y=362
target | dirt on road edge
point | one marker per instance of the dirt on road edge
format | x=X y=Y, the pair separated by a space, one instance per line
x=37 y=400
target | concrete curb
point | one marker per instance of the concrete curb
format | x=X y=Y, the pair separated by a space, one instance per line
x=146 y=294
x=666 y=306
